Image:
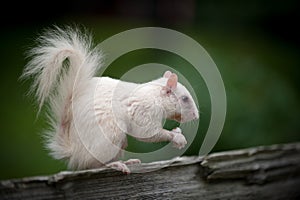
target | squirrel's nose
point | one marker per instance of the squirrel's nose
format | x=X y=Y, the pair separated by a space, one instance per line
x=195 y=115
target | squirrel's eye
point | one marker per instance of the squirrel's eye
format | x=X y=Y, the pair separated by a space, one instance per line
x=184 y=98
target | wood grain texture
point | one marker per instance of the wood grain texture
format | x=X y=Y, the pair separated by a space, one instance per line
x=256 y=173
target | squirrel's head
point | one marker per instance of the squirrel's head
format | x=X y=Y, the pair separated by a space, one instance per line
x=178 y=102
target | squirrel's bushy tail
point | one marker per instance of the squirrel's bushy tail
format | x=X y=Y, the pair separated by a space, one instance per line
x=62 y=64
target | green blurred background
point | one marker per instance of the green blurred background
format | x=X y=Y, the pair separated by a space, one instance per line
x=255 y=45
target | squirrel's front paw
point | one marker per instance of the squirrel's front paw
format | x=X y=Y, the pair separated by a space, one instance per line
x=178 y=140
x=177 y=130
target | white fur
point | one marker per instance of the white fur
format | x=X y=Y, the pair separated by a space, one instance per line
x=90 y=116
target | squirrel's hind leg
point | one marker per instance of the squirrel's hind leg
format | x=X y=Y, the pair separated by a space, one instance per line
x=120 y=166
x=132 y=161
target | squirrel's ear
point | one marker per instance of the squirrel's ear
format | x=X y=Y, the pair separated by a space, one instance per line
x=167 y=74
x=172 y=81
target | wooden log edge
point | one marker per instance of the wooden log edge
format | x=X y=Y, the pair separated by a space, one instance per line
x=265 y=167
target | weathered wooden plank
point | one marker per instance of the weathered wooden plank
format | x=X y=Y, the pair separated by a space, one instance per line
x=255 y=165
x=254 y=173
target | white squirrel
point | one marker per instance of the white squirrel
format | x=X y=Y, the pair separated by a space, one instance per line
x=90 y=116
